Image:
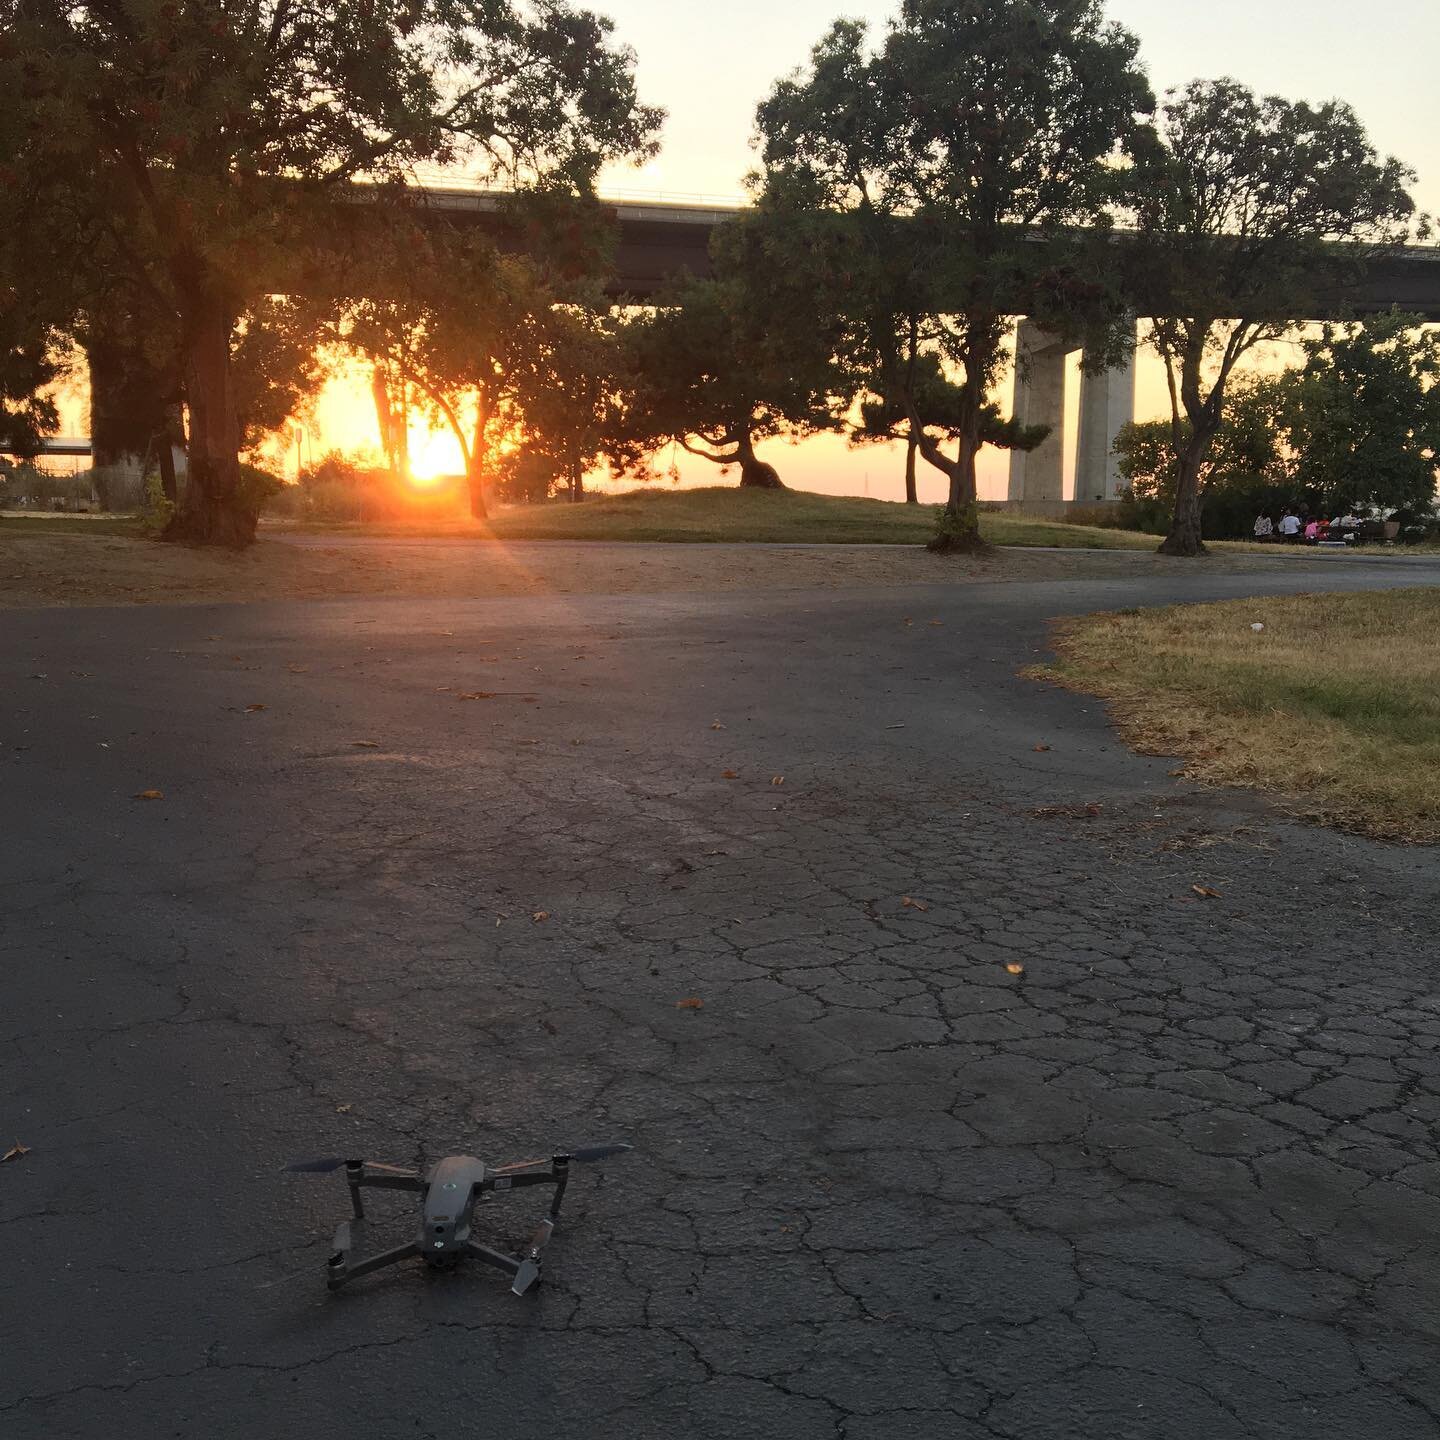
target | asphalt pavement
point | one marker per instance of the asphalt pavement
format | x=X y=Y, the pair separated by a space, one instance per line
x=986 y=1124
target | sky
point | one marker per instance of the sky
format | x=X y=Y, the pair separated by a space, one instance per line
x=709 y=64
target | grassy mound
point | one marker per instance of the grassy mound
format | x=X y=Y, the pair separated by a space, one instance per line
x=726 y=513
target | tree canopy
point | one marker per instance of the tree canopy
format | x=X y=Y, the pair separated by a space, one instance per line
x=1365 y=415
x=716 y=370
x=1252 y=213
x=975 y=128
x=206 y=145
x=29 y=361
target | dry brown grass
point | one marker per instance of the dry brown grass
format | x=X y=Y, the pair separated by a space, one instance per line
x=1334 y=705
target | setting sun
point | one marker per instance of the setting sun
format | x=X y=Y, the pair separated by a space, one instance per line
x=434 y=454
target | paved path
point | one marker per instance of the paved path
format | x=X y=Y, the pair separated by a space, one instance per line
x=1177 y=1179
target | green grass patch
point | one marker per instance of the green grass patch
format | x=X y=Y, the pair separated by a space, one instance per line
x=1335 y=703
x=721 y=514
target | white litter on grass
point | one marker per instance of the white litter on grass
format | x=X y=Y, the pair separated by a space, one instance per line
x=1257 y=627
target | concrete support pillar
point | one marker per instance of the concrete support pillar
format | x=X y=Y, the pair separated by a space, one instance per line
x=1038 y=476
x=1107 y=401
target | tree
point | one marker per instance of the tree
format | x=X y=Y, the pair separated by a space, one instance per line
x=1250 y=446
x=716 y=370
x=210 y=142
x=1249 y=468
x=979 y=128
x=567 y=398
x=1252 y=213
x=459 y=335
x=1365 y=415
x=932 y=401
x=29 y=361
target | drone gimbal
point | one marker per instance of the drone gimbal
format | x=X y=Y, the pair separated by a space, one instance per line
x=452 y=1188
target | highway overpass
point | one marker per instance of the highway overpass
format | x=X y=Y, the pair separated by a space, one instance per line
x=660 y=240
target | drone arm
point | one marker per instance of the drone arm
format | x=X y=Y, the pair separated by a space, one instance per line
x=507 y=1263
x=391 y=1182
x=345 y=1272
x=521 y=1179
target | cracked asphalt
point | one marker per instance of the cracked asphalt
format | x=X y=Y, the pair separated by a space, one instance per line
x=987 y=1126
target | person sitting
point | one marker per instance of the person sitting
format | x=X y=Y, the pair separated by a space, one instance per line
x=1264 y=527
x=1312 y=532
x=1289 y=525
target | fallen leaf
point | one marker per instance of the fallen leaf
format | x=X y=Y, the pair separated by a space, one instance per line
x=537 y=916
x=910 y=903
x=1205 y=892
x=691 y=1002
x=716 y=725
x=17 y=1149
x=366 y=744
x=150 y=795
x=729 y=774
x=1038 y=748
x=777 y=779
x=894 y=727
x=475 y=695
x=934 y=622
x=549 y=1027
x=293 y=669
x=254 y=709
x=1015 y=967
x=342 y=1109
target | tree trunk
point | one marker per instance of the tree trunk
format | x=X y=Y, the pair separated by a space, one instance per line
x=577 y=484
x=959 y=527
x=168 y=484
x=215 y=509
x=911 y=445
x=1185 y=537
x=478 y=458
x=755 y=474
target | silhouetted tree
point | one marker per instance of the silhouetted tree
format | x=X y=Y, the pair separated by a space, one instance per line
x=976 y=129
x=210 y=143
x=29 y=361
x=931 y=402
x=717 y=370
x=1252 y=214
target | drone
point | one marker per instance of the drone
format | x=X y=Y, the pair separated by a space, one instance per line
x=452 y=1188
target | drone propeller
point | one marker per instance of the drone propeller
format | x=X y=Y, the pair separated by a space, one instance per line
x=334 y=1162
x=529 y=1272
x=586 y=1155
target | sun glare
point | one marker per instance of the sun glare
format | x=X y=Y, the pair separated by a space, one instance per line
x=434 y=454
